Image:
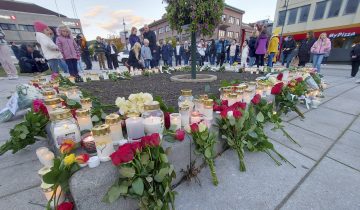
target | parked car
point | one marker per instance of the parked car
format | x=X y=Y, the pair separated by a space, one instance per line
x=123 y=56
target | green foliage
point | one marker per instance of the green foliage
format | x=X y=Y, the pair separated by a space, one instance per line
x=225 y=83
x=201 y=16
x=163 y=106
x=25 y=133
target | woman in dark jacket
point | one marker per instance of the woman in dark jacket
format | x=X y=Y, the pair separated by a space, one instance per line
x=252 y=48
x=133 y=37
x=135 y=57
x=304 y=49
x=30 y=60
x=355 y=59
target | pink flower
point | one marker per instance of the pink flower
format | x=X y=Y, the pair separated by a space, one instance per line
x=280 y=76
x=65 y=206
x=256 y=99
x=54 y=76
x=39 y=106
x=237 y=114
x=180 y=135
x=194 y=128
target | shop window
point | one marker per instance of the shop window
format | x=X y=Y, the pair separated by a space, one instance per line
x=338 y=42
x=351 y=6
x=281 y=18
x=320 y=10
x=237 y=21
x=221 y=33
x=334 y=8
x=304 y=13
x=292 y=16
x=230 y=34
x=167 y=28
x=29 y=28
x=7 y=26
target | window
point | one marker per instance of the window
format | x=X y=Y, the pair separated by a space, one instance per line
x=281 y=18
x=236 y=35
x=161 y=30
x=351 y=6
x=338 y=42
x=221 y=33
x=27 y=28
x=334 y=8
x=7 y=26
x=167 y=28
x=223 y=18
x=292 y=16
x=231 y=20
x=237 y=21
x=304 y=13
x=230 y=34
x=75 y=30
x=319 y=10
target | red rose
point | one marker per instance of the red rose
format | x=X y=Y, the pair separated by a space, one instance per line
x=280 y=76
x=152 y=140
x=167 y=120
x=73 y=112
x=216 y=108
x=256 y=99
x=237 y=105
x=225 y=103
x=299 y=79
x=65 y=206
x=194 y=128
x=223 y=113
x=123 y=155
x=136 y=146
x=237 y=114
x=242 y=105
x=37 y=86
x=276 y=90
x=83 y=158
x=180 y=135
x=38 y=106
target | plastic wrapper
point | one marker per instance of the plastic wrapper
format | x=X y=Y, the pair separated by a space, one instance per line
x=311 y=83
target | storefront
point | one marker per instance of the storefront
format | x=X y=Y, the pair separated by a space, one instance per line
x=342 y=38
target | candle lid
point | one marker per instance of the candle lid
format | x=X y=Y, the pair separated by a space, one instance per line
x=112 y=119
x=60 y=114
x=243 y=86
x=100 y=130
x=239 y=92
x=204 y=97
x=184 y=108
x=64 y=88
x=52 y=101
x=232 y=95
x=34 y=81
x=132 y=114
x=82 y=112
x=252 y=83
x=85 y=100
x=208 y=102
x=227 y=90
x=153 y=105
x=186 y=92
x=48 y=92
x=248 y=91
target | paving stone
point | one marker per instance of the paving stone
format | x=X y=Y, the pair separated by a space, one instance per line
x=292 y=115
x=262 y=186
x=325 y=122
x=339 y=89
x=312 y=145
x=330 y=186
x=31 y=199
x=346 y=150
x=356 y=125
x=345 y=104
x=19 y=177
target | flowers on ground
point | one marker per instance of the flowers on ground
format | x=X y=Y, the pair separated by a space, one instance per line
x=82 y=159
x=134 y=104
x=39 y=106
x=65 y=206
x=67 y=146
x=69 y=159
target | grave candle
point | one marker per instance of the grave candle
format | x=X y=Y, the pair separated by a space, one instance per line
x=185 y=115
x=47 y=159
x=252 y=85
x=86 y=103
x=84 y=119
x=113 y=120
x=195 y=117
x=40 y=152
x=103 y=142
x=259 y=90
x=268 y=90
x=232 y=99
x=239 y=94
x=152 y=125
x=198 y=105
x=208 y=109
x=73 y=94
x=52 y=104
x=248 y=94
x=49 y=191
x=175 y=121
x=49 y=94
x=134 y=126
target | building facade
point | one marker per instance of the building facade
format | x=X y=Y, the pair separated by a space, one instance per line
x=229 y=28
x=340 y=19
x=17 y=19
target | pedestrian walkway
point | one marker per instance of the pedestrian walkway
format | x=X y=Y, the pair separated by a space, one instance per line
x=327 y=173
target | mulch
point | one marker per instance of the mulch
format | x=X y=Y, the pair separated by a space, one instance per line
x=158 y=85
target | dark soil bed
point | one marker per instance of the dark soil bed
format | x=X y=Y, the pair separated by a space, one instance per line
x=158 y=85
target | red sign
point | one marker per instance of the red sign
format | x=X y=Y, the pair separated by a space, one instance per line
x=345 y=32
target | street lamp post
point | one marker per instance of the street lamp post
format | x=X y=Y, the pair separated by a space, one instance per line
x=125 y=32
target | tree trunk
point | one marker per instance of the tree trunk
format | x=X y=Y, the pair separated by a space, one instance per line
x=193 y=55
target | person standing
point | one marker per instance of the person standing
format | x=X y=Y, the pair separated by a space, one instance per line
x=5 y=58
x=288 y=47
x=355 y=60
x=178 y=52
x=321 y=47
x=261 y=48
x=232 y=52
x=85 y=53
x=68 y=49
x=244 y=54
x=100 y=52
x=273 y=49
x=157 y=54
x=133 y=37
x=107 y=54
x=49 y=49
x=220 y=51
x=186 y=54
x=151 y=36
x=212 y=52
x=252 y=49
x=113 y=54
x=201 y=49
x=305 y=48
x=146 y=54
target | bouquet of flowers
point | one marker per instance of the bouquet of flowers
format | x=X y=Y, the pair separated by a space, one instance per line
x=134 y=104
x=145 y=174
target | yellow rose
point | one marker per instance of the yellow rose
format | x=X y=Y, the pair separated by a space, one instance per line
x=69 y=159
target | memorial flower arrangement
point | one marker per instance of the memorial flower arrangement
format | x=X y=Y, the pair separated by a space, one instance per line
x=134 y=104
x=204 y=141
x=65 y=165
x=285 y=101
x=144 y=174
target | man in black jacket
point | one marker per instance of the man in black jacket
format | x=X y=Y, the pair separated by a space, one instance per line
x=151 y=36
x=30 y=60
x=355 y=60
x=252 y=48
x=288 y=46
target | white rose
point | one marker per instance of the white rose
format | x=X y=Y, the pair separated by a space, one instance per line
x=119 y=101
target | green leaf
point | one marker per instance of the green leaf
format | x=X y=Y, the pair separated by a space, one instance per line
x=138 y=186
x=159 y=177
x=208 y=152
x=164 y=158
x=95 y=118
x=260 y=117
x=115 y=192
x=128 y=172
x=253 y=134
x=145 y=158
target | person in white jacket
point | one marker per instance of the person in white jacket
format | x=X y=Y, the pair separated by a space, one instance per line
x=50 y=50
x=244 y=54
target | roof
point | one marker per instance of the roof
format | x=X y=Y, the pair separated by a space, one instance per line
x=26 y=7
x=234 y=8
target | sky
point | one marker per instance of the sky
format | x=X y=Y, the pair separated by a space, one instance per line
x=105 y=18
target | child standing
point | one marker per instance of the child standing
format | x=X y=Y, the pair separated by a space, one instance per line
x=68 y=49
x=5 y=58
x=146 y=54
x=244 y=54
x=50 y=50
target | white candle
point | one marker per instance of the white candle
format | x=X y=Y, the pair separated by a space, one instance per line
x=285 y=76
x=73 y=95
x=208 y=109
x=49 y=191
x=52 y=104
x=248 y=94
x=175 y=121
x=134 y=127
x=185 y=115
x=232 y=99
x=116 y=133
x=153 y=125
x=195 y=117
x=85 y=123
x=268 y=90
x=86 y=103
x=103 y=142
x=40 y=152
x=47 y=159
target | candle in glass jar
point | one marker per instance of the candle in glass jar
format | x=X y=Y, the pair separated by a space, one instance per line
x=73 y=94
x=49 y=192
x=252 y=85
x=175 y=121
x=195 y=117
x=52 y=104
x=198 y=105
x=185 y=115
x=47 y=159
x=208 y=109
x=268 y=90
x=153 y=125
x=248 y=94
x=103 y=142
x=239 y=94
x=259 y=90
x=134 y=127
x=232 y=99
x=88 y=144
x=113 y=120
x=86 y=103
x=49 y=94
x=84 y=119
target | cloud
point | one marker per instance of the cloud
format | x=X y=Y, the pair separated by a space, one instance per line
x=116 y=20
x=94 y=11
